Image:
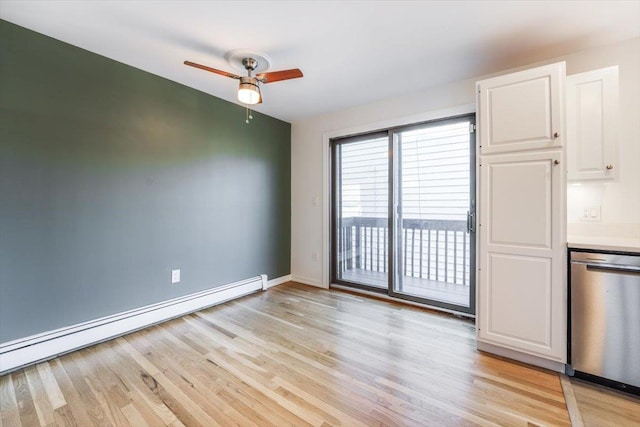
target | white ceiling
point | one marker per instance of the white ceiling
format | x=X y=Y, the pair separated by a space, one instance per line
x=351 y=52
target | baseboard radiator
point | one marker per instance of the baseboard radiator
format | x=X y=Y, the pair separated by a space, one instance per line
x=48 y=345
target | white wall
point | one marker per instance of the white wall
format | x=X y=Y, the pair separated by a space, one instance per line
x=620 y=200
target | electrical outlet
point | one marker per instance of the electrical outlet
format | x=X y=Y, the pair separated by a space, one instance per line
x=175 y=276
x=591 y=213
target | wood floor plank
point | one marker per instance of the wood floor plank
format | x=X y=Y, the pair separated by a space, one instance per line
x=605 y=408
x=75 y=410
x=44 y=410
x=133 y=416
x=572 y=404
x=115 y=369
x=26 y=407
x=244 y=394
x=309 y=417
x=65 y=417
x=56 y=398
x=105 y=386
x=85 y=393
x=298 y=356
x=185 y=365
x=132 y=375
x=185 y=409
x=343 y=392
x=9 y=412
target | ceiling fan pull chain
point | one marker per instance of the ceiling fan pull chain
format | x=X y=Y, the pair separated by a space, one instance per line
x=247 y=115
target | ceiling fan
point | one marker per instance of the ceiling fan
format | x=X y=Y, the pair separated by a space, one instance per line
x=249 y=89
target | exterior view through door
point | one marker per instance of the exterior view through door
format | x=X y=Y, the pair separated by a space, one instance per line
x=403 y=207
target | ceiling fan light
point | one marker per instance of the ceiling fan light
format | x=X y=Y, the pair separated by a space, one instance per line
x=249 y=92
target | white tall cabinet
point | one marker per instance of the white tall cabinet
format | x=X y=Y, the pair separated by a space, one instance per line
x=521 y=277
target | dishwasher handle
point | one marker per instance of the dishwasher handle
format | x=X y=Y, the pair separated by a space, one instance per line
x=613 y=268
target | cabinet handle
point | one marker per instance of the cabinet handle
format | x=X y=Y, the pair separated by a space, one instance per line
x=556 y=162
x=609 y=167
x=556 y=134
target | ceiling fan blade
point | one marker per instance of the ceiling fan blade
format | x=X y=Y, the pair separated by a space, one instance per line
x=213 y=70
x=276 y=76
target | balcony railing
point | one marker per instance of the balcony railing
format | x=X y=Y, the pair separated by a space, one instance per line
x=435 y=250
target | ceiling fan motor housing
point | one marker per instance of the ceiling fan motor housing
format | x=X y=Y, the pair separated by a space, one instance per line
x=249 y=81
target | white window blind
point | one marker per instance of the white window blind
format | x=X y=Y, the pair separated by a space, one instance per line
x=436 y=172
x=365 y=178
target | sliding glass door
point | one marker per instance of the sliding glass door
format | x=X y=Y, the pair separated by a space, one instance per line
x=433 y=227
x=404 y=202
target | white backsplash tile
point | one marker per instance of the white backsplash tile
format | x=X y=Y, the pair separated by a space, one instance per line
x=612 y=230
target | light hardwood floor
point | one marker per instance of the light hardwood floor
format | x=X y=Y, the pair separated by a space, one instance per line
x=601 y=407
x=293 y=355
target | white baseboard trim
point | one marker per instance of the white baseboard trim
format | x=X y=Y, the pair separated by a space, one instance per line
x=48 y=345
x=529 y=359
x=308 y=281
x=277 y=281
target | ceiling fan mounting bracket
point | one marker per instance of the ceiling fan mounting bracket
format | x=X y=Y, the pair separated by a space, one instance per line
x=250 y=64
x=237 y=57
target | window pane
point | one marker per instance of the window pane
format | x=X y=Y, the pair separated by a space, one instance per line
x=363 y=203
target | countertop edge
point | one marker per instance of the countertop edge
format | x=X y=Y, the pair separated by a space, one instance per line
x=613 y=246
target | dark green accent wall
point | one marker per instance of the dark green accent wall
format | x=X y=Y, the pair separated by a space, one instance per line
x=110 y=177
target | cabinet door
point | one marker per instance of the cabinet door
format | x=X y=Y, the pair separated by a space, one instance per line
x=522 y=298
x=592 y=104
x=522 y=111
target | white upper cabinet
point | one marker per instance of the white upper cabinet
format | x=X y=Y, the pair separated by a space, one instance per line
x=522 y=111
x=592 y=108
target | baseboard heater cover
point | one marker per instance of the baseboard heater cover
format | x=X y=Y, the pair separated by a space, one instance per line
x=48 y=345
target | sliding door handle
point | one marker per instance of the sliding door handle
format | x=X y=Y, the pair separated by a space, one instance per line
x=471 y=222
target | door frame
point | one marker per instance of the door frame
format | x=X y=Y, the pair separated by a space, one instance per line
x=330 y=206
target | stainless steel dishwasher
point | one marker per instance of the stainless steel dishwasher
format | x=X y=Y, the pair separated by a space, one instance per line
x=605 y=318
